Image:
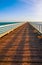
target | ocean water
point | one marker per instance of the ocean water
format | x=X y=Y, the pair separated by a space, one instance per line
x=6 y=26
x=6 y=23
x=37 y=25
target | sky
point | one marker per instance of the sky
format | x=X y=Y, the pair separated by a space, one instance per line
x=20 y=10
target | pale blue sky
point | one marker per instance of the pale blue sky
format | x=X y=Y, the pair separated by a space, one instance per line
x=20 y=10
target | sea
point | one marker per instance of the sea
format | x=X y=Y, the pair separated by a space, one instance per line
x=6 y=23
x=37 y=25
x=6 y=26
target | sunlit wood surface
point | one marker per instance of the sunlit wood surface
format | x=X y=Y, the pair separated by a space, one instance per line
x=21 y=46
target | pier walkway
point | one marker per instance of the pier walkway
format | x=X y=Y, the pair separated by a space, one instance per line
x=21 y=47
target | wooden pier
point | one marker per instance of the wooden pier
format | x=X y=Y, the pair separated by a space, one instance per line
x=21 y=47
